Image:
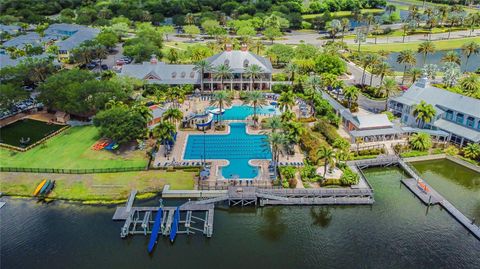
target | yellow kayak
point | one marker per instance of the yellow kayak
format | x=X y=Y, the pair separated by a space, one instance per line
x=39 y=187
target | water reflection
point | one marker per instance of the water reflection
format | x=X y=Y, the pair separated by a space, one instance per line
x=321 y=216
x=273 y=227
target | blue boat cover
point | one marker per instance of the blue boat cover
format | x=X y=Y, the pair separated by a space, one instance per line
x=174 y=229
x=155 y=230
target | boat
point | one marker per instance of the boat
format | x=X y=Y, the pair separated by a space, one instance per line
x=39 y=187
x=174 y=229
x=50 y=188
x=44 y=188
x=155 y=230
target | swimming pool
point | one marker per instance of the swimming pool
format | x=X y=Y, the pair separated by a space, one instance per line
x=241 y=112
x=237 y=147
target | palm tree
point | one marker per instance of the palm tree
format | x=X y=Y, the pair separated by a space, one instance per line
x=420 y=141
x=253 y=71
x=376 y=31
x=288 y=116
x=471 y=85
x=413 y=74
x=277 y=142
x=407 y=58
x=222 y=72
x=426 y=48
x=424 y=113
x=286 y=100
x=291 y=69
x=172 y=115
x=220 y=99
x=359 y=37
x=388 y=87
x=365 y=63
x=164 y=132
x=274 y=123
x=451 y=74
x=373 y=59
x=189 y=19
x=351 y=93
x=202 y=67
x=468 y=49
x=328 y=156
x=368 y=19
x=176 y=95
x=451 y=57
x=345 y=23
x=334 y=27
x=405 y=29
x=256 y=99
x=473 y=19
x=472 y=151
x=144 y=111
x=382 y=69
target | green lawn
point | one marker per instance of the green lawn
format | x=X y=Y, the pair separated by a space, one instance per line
x=439 y=45
x=97 y=187
x=72 y=149
x=340 y=14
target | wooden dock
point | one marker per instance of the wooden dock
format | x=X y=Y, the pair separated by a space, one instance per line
x=321 y=201
x=467 y=223
x=429 y=198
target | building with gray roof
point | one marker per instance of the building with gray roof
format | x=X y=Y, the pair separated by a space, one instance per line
x=456 y=114
x=10 y=29
x=178 y=74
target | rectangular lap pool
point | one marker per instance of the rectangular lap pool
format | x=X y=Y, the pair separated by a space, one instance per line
x=237 y=147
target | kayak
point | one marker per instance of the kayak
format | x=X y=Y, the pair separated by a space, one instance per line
x=42 y=191
x=50 y=187
x=39 y=187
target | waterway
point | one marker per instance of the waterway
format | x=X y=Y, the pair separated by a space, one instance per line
x=398 y=231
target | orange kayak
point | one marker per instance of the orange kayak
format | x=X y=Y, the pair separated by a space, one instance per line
x=39 y=187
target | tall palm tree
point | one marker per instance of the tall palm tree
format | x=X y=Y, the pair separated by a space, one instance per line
x=368 y=18
x=420 y=141
x=172 y=115
x=468 y=49
x=144 y=111
x=222 y=72
x=277 y=143
x=388 y=87
x=164 y=132
x=286 y=100
x=405 y=29
x=424 y=113
x=291 y=69
x=351 y=93
x=407 y=58
x=345 y=24
x=373 y=59
x=202 y=67
x=451 y=57
x=253 y=72
x=413 y=74
x=426 y=48
x=256 y=99
x=220 y=99
x=328 y=156
x=258 y=46
x=334 y=27
x=382 y=69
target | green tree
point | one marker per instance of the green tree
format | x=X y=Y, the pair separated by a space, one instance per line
x=191 y=30
x=471 y=85
x=413 y=74
x=286 y=100
x=222 y=72
x=277 y=143
x=172 y=115
x=274 y=123
x=407 y=58
x=469 y=49
x=424 y=113
x=360 y=37
x=334 y=27
x=271 y=33
x=291 y=69
x=328 y=156
x=121 y=124
x=202 y=67
x=382 y=69
x=9 y=95
x=253 y=72
x=164 y=132
x=221 y=99
x=388 y=87
x=107 y=38
x=451 y=57
x=351 y=93
x=420 y=141
x=257 y=100
x=471 y=151
x=426 y=48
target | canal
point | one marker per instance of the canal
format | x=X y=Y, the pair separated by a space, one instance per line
x=398 y=231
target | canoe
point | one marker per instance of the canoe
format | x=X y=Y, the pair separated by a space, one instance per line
x=42 y=191
x=155 y=230
x=50 y=187
x=39 y=187
x=174 y=228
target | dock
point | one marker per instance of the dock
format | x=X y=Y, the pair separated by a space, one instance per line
x=2 y=204
x=429 y=196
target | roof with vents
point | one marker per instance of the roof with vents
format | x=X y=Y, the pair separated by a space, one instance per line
x=239 y=59
x=162 y=73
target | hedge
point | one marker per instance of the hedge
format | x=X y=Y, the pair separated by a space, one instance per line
x=327 y=130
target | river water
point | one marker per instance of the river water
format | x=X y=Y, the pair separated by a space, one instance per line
x=398 y=231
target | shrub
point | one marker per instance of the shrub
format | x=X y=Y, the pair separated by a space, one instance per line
x=451 y=150
x=309 y=174
x=279 y=77
x=311 y=142
x=413 y=153
x=327 y=130
x=349 y=177
x=279 y=88
x=288 y=172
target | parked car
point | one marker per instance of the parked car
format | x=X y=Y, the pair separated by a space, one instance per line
x=127 y=60
x=104 y=67
x=90 y=66
x=120 y=62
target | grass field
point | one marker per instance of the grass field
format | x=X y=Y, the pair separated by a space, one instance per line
x=97 y=187
x=72 y=149
x=395 y=47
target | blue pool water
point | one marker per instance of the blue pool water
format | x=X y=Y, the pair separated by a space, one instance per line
x=243 y=111
x=237 y=147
